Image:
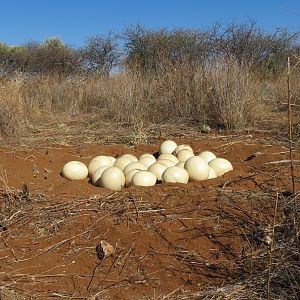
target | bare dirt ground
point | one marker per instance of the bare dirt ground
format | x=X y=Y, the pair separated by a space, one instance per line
x=171 y=241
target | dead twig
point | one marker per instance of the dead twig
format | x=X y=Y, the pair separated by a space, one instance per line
x=125 y=258
x=172 y=293
x=290 y=121
x=9 y=248
x=272 y=245
x=283 y=161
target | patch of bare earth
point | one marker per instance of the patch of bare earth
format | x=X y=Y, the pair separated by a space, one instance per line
x=171 y=241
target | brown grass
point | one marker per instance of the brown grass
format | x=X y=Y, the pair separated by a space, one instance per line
x=223 y=95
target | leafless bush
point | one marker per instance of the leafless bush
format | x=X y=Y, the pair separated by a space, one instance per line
x=247 y=43
x=251 y=45
x=101 y=54
x=153 y=50
x=234 y=98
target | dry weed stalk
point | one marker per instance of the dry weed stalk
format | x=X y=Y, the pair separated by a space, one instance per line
x=272 y=245
x=290 y=126
x=290 y=122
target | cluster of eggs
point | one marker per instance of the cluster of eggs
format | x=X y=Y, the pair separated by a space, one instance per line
x=175 y=164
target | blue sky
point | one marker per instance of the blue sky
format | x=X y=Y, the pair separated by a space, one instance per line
x=75 y=20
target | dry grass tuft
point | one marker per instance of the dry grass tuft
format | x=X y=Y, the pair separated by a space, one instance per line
x=222 y=95
x=234 y=100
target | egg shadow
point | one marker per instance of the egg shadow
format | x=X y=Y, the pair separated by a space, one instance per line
x=156 y=154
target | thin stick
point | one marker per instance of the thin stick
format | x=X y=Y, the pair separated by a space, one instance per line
x=66 y=296
x=252 y=238
x=290 y=121
x=283 y=161
x=125 y=258
x=272 y=245
x=96 y=267
x=173 y=292
x=290 y=112
x=10 y=249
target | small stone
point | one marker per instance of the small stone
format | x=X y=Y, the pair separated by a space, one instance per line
x=104 y=249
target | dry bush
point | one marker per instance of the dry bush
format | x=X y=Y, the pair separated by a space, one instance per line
x=224 y=94
x=277 y=90
x=46 y=95
x=295 y=85
x=234 y=100
x=118 y=98
x=11 y=109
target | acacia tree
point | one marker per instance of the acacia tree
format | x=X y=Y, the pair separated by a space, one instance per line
x=101 y=54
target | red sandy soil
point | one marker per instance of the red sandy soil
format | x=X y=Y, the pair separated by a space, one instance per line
x=170 y=240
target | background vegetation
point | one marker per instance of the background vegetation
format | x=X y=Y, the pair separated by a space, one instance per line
x=227 y=76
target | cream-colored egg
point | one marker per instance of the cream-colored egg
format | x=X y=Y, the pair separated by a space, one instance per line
x=180 y=164
x=184 y=154
x=135 y=165
x=122 y=162
x=147 y=155
x=181 y=147
x=129 y=175
x=167 y=162
x=169 y=157
x=157 y=169
x=207 y=155
x=148 y=161
x=97 y=162
x=131 y=156
x=197 y=167
x=97 y=174
x=167 y=147
x=75 y=170
x=221 y=165
x=112 y=178
x=176 y=175
x=212 y=173
x=144 y=178
x=113 y=159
